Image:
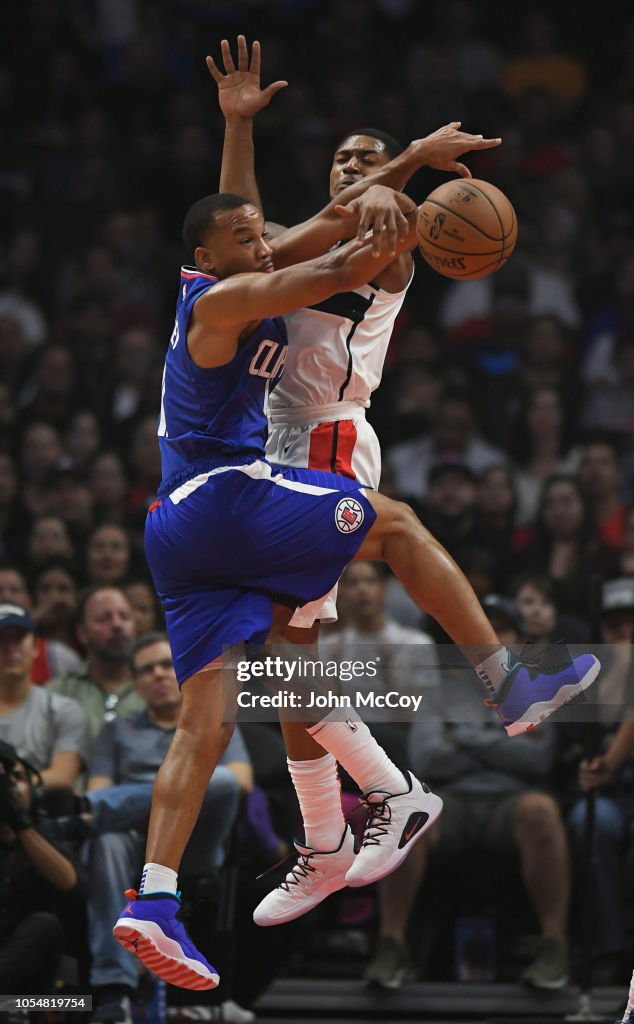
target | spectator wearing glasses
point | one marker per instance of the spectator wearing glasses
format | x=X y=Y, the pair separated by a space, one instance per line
x=124 y=763
x=104 y=686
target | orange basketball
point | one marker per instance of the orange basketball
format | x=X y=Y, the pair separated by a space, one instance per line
x=466 y=229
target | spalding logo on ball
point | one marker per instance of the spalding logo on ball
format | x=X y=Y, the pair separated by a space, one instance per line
x=466 y=229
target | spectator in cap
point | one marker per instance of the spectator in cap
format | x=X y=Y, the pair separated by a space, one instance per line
x=47 y=729
x=52 y=655
x=611 y=772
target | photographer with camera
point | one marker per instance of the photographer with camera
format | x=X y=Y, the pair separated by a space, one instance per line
x=32 y=873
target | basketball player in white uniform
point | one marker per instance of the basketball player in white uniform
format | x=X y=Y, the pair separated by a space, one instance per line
x=335 y=359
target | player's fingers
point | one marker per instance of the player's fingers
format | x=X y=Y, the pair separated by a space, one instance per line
x=391 y=231
x=243 y=54
x=270 y=90
x=486 y=143
x=255 y=58
x=403 y=224
x=460 y=169
x=213 y=70
x=377 y=232
x=343 y=211
x=227 y=59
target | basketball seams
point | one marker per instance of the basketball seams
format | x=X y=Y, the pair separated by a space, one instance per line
x=450 y=259
x=449 y=209
x=493 y=207
x=455 y=252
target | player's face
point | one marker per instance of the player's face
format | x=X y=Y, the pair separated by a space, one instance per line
x=237 y=244
x=357 y=157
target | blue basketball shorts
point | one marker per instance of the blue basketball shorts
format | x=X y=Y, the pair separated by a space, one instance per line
x=226 y=544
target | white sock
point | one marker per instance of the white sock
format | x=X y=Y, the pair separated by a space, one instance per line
x=156 y=878
x=319 y=793
x=354 y=747
x=494 y=669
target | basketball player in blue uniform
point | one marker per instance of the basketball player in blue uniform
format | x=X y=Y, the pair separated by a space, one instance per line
x=229 y=532
x=317 y=420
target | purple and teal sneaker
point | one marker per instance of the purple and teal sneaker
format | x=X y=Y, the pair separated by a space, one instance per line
x=530 y=693
x=149 y=927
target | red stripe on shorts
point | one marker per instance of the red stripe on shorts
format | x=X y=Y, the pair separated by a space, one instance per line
x=332 y=446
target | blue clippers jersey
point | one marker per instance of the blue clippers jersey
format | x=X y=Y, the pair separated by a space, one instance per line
x=216 y=416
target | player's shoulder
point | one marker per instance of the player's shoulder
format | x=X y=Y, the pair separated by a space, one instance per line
x=192 y=278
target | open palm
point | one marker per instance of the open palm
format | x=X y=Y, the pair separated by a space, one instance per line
x=239 y=92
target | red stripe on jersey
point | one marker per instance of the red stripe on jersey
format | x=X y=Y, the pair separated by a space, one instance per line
x=196 y=273
x=331 y=447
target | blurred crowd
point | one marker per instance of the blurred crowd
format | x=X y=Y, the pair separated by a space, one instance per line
x=506 y=412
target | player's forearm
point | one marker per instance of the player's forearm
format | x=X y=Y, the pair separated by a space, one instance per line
x=238 y=300
x=401 y=168
x=313 y=237
x=237 y=172
x=50 y=863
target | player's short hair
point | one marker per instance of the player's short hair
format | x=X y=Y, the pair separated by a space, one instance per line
x=201 y=216
x=392 y=145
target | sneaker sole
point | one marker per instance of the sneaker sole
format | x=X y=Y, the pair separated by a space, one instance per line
x=267 y=920
x=539 y=712
x=163 y=955
x=433 y=806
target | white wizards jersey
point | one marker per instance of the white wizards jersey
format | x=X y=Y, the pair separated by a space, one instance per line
x=336 y=352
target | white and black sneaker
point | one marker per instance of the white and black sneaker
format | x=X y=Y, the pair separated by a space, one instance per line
x=314 y=877
x=395 y=822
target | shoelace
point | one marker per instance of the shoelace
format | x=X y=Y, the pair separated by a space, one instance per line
x=301 y=870
x=379 y=817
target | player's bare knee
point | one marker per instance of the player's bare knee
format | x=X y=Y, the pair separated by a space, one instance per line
x=405 y=520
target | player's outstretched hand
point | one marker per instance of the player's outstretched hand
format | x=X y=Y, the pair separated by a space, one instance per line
x=239 y=92
x=382 y=211
x=440 y=149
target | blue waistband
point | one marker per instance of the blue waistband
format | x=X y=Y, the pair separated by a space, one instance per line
x=203 y=466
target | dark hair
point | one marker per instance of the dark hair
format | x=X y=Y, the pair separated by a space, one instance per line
x=147 y=640
x=538 y=580
x=587 y=532
x=392 y=145
x=88 y=593
x=201 y=216
x=521 y=436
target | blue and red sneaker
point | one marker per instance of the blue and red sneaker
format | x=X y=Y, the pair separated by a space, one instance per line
x=531 y=693
x=149 y=927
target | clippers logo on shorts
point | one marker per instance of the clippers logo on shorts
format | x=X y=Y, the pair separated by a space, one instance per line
x=348 y=515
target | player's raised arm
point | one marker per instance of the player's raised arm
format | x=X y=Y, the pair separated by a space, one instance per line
x=240 y=98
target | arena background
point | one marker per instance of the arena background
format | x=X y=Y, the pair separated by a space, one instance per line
x=111 y=129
